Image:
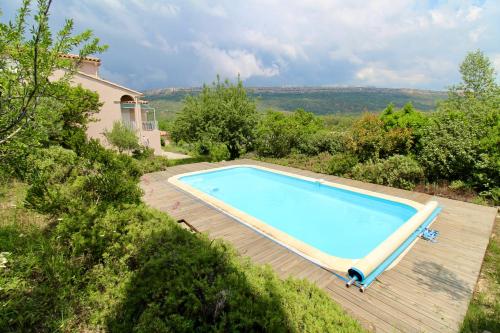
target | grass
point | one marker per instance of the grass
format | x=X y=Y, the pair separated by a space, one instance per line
x=37 y=280
x=484 y=310
x=12 y=210
x=174 y=148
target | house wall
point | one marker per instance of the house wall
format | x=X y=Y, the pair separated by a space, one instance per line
x=89 y=67
x=152 y=139
x=110 y=111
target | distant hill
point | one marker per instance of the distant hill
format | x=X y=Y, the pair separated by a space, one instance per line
x=319 y=100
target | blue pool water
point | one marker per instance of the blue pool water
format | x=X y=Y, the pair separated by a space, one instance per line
x=338 y=222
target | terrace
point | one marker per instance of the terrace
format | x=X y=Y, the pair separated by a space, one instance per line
x=428 y=290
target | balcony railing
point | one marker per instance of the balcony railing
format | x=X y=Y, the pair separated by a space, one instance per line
x=146 y=125
x=149 y=125
x=129 y=124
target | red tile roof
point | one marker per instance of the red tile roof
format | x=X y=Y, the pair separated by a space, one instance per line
x=75 y=56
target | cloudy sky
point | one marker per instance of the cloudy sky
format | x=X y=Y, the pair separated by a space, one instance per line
x=384 y=43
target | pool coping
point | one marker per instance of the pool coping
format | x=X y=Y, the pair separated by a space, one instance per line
x=307 y=251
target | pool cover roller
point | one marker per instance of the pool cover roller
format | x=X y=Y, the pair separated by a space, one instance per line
x=365 y=266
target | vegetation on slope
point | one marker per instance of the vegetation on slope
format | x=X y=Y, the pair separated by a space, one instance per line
x=320 y=101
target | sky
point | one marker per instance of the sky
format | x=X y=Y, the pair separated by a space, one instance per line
x=382 y=43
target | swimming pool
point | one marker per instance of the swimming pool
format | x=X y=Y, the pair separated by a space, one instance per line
x=336 y=226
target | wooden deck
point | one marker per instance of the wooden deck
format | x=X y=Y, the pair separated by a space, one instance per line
x=428 y=291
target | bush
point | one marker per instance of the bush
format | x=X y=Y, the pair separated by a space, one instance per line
x=367 y=137
x=407 y=118
x=450 y=146
x=62 y=182
x=143 y=153
x=50 y=169
x=213 y=150
x=222 y=113
x=396 y=171
x=279 y=134
x=156 y=275
x=324 y=141
x=341 y=164
x=122 y=137
x=219 y=152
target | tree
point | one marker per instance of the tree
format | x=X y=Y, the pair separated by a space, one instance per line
x=462 y=140
x=478 y=75
x=279 y=133
x=221 y=113
x=406 y=119
x=29 y=59
x=122 y=137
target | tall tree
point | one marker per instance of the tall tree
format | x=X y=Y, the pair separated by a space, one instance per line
x=28 y=59
x=478 y=78
x=221 y=113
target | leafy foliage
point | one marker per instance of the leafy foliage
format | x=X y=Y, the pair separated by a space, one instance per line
x=122 y=137
x=449 y=146
x=407 y=120
x=461 y=141
x=221 y=113
x=278 y=134
x=342 y=163
x=29 y=59
x=396 y=171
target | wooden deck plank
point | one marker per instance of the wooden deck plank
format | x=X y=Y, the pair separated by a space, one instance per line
x=429 y=290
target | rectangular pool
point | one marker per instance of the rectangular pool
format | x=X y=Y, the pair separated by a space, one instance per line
x=331 y=224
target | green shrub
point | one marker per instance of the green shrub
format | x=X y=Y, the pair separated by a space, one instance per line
x=278 y=134
x=397 y=171
x=450 y=146
x=275 y=135
x=156 y=275
x=342 y=163
x=218 y=152
x=324 y=141
x=213 y=150
x=370 y=139
x=122 y=137
x=405 y=118
x=153 y=164
x=459 y=185
x=222 y=112
x=142 y=153
x=50 y=169
x=61 y=181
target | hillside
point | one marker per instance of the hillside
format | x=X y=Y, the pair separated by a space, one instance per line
x=319 y=100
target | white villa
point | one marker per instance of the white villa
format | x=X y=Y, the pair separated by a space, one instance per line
x=119 y=104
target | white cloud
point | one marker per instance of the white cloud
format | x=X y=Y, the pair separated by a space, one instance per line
x=264 y=42
x=473 y=13
x=476 y=34
x=287 y=42
x=345 y=54
x=216 y=10
x=230 y=63
x=157 y=7
x=375 y=74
